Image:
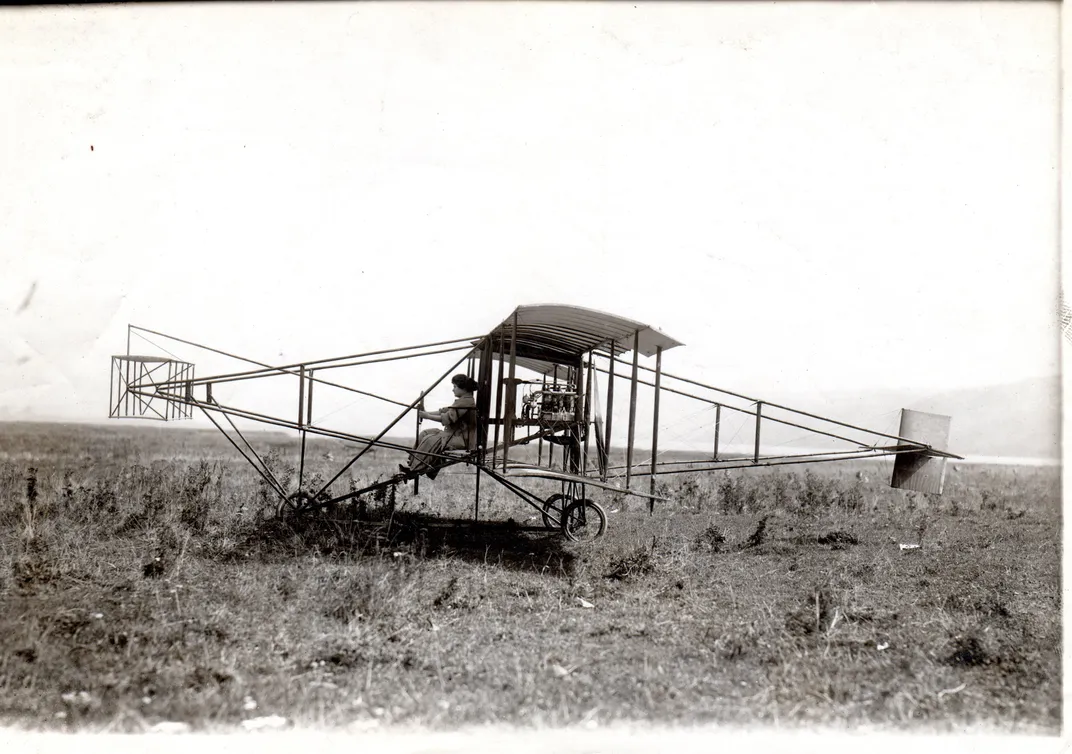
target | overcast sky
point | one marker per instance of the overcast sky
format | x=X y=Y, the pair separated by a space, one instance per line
x=810 y=197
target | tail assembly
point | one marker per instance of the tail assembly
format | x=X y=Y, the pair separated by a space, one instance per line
x=922 y=470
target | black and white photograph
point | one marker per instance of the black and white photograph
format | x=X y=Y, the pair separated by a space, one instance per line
x=470 y=376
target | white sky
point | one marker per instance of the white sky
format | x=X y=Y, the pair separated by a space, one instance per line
x=811 y=197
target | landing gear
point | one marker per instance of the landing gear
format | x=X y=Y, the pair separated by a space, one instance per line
x=580 y=520
x=583 y=521
x=552 y=510
x=299 y=505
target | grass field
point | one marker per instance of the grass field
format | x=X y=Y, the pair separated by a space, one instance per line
x=145 y=580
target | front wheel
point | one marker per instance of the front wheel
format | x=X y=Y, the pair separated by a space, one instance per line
x=583 y=521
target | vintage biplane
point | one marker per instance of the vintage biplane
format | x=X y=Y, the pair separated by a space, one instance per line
x=538 y=373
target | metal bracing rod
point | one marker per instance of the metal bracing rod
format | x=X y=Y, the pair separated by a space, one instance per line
x=146 y=373
x=288 y=369
x=467 y=347
x=535 y=436
x=767 y=418
x=777 y=462
x=790 y=460
x=732 y=459
x=744 y=461
x=123 y=398
x=476 y=497
x=369 y=488
x=519 y=491
x=387 y=429
x=278 y=484
x=270 y=371
x=317 y=362
x=329 y=383
x=238 y=377
x=271 y=481
x=286 y=424
x=129 y=394
x=772 y=405
x=146 y=405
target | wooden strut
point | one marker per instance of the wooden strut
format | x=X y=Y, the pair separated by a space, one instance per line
x=539 y=447
x=301 y=425
x=550 y=446
x=587 y=418
x=655 y=428
x=484 y=412
x=718 y=426
x=511 y=396
x=498 y=399
x=610 y=401
x=416 y=437
x=759 y=418
x=632 y=411
x=568 y=457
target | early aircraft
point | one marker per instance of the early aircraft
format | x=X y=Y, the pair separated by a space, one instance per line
x=535 y=379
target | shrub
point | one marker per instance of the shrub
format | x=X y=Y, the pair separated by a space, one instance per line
x=816 y=496
x=736 y=496
x=755 y=539
x=638 y=563
x=711 y=539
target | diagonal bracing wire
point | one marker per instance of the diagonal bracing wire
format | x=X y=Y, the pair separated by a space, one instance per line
x=269 y=479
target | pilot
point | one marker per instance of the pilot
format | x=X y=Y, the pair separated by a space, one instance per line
x=459 y=432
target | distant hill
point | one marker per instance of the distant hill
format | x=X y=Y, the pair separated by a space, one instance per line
x=1020 y=419
x=1014 y=420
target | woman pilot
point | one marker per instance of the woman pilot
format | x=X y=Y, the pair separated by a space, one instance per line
x=459 y=431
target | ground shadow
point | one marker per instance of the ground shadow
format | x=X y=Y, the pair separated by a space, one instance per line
x=347 y=533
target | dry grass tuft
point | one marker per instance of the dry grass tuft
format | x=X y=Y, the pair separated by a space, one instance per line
x=147 y=579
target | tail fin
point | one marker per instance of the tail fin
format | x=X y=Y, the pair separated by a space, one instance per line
x=923 y=471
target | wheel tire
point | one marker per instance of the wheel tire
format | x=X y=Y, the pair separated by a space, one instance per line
x=583 y=521
x=554 y=504
x=294 y=506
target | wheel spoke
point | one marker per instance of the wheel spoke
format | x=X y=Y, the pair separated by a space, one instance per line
x=583 y=521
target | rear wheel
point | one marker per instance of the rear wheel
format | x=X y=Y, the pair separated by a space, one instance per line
x=552 y=510
x=583 y=521
x=296 y=505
